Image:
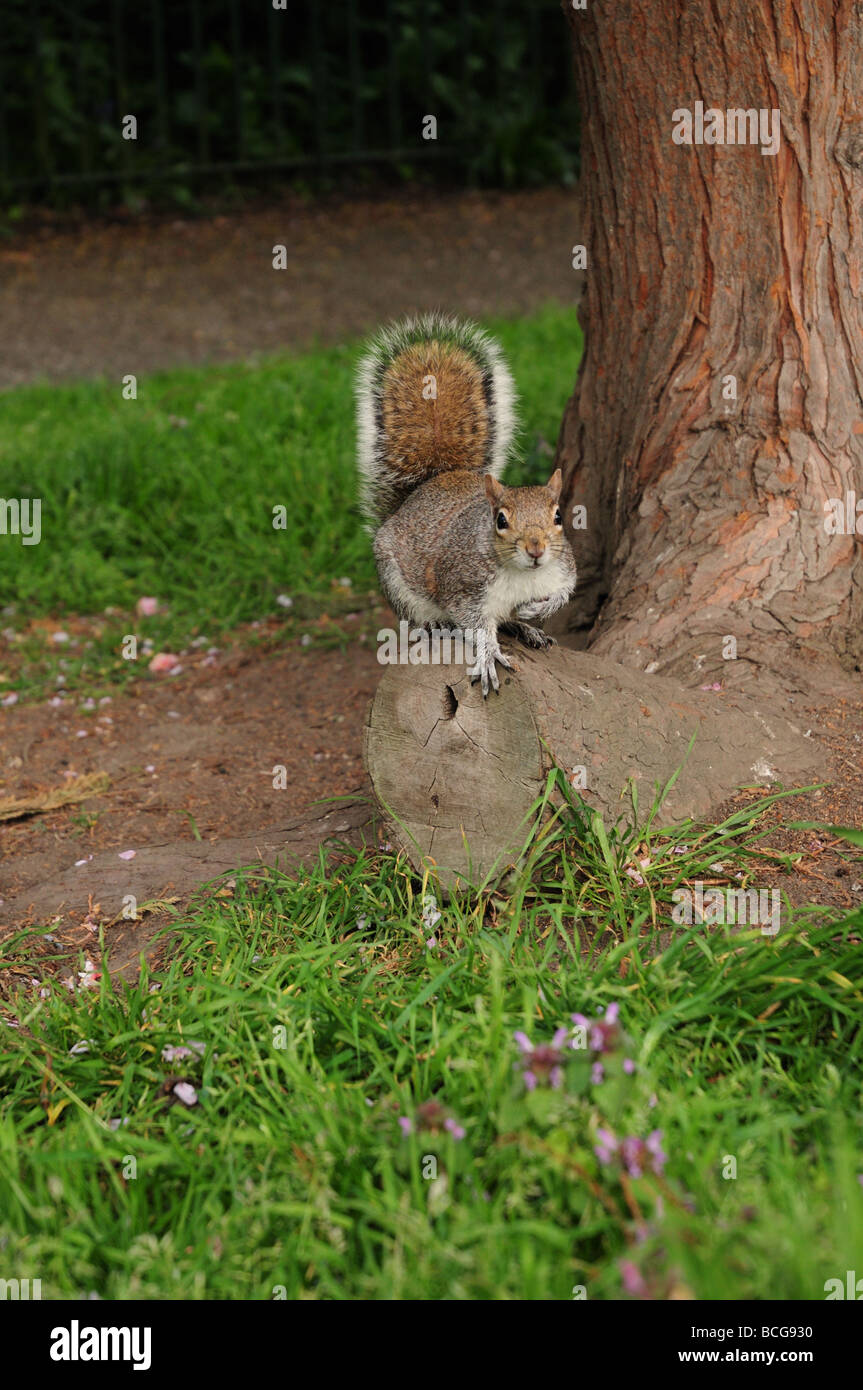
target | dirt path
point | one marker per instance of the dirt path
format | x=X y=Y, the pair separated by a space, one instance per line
x=187 y=759
x=190 y=763
x=190 y=766
x=112 y=298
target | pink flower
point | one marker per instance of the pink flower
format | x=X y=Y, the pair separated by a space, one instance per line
x=603 y=1034
x=432 y=1117
x=632 y=1280
x=164 y=661
x=89 y=976
x=543 y=1062
x=186 y=1093
x=146 y=607
x=607 y=1146
x=178 y=1054
x=636 y=1155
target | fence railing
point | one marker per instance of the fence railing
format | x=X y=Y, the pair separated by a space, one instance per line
x=216 y=86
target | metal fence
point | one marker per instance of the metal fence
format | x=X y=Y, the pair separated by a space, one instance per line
x=219 y=87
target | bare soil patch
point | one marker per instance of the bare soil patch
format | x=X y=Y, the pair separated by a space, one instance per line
x=190 y=765
x=146 y=294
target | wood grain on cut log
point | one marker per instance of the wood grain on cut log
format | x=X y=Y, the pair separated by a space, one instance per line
x=457 y=776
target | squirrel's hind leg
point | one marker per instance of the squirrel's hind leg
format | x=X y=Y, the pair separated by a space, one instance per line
x=407 y=603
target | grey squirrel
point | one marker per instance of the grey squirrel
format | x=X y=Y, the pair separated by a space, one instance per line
x=453 y=545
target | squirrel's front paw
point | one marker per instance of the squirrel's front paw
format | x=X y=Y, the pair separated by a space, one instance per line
x=534 y=637
x=530 y=636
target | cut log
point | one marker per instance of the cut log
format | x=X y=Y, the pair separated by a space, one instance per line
x=457 y=776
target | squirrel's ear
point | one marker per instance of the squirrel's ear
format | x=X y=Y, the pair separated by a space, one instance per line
x=554 y=484
x=493 y=490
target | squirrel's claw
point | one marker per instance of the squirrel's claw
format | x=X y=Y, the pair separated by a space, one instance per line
x=530 y=636
x=485 y=673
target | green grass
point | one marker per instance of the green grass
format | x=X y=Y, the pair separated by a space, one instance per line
x=291 y=1172
x=323 y=1014
x=172 y=494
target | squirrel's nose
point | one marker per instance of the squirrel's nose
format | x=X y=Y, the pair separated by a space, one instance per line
x=535 y=548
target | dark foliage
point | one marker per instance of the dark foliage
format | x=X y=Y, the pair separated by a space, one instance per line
x=224 y=90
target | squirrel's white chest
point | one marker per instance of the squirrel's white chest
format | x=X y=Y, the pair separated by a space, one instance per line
x=511 y=587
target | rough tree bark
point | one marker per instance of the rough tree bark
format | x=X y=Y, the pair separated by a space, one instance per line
x=705 y=516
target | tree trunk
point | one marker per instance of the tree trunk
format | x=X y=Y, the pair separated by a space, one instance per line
x=458 y=775
x=713 y=268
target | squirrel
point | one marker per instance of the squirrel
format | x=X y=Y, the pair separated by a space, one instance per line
x=454 y=546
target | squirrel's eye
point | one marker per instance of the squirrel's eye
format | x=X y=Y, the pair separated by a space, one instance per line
x=558 y=519
x=502 y=523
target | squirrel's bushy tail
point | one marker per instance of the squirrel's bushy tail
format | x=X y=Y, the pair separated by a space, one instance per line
x=433 y=394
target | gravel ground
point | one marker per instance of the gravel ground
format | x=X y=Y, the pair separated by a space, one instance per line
x=113 y=297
